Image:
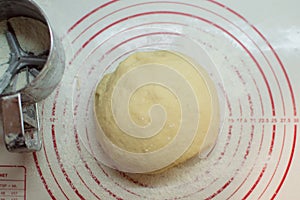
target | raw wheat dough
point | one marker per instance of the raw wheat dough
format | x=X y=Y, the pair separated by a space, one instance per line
x=140 y=103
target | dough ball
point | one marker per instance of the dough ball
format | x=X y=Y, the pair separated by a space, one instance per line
x=158 y=109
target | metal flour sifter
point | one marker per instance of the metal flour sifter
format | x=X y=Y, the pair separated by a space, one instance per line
x=19 y=119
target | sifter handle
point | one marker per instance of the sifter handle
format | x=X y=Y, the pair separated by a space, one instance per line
x=20 y=125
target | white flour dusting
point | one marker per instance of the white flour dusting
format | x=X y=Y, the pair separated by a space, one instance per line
x=33 y=37
x=4 y=48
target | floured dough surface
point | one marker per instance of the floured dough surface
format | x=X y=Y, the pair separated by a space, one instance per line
x=138 y=136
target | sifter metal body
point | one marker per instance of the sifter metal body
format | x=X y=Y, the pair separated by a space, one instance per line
x=19 y=118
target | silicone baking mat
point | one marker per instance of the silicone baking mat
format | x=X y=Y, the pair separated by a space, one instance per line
x=254 y=46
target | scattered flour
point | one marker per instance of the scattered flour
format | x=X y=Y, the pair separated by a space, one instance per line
x=33 y=37
x=4 y=48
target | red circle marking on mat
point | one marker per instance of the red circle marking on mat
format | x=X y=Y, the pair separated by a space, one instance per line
x=199 y=7
x=188 y=15
x=291 y=91
x=143 y=35
x=117 y=59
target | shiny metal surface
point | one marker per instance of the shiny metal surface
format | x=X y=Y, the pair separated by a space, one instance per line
x=51 y=74
x=20 y=121
x=19 y=60
x=20 y=125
